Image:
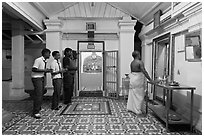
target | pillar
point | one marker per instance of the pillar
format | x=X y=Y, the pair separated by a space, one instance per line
x=126 y=45
x=17 y=86
x=53 y=42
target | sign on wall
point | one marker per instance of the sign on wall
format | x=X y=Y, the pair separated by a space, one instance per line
x=90 y=26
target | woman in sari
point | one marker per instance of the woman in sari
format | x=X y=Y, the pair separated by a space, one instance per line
x=137 y=84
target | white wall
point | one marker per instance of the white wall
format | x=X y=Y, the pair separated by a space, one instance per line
x=187 y=73
x=80 y=25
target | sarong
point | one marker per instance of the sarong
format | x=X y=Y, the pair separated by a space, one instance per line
x=136 y=92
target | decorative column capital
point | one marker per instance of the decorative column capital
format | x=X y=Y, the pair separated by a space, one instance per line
x=127 y=25
x=53 y=24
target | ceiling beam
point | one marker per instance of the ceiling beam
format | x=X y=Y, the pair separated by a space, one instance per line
x=40 y=38
x=29 y=38
x=33 y=32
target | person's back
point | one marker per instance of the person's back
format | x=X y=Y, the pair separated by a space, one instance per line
x=138 y=66
x=135 y=66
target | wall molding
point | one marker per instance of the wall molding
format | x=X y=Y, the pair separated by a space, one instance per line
x=177 y=19
x=83 y=36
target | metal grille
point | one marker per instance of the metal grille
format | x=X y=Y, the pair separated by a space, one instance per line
x=111 y=74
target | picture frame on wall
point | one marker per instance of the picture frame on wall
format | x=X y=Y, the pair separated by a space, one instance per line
x=193 y=47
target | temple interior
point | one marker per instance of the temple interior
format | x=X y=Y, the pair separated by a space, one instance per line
x=168 y=36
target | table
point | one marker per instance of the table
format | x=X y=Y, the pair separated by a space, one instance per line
x=159 y=109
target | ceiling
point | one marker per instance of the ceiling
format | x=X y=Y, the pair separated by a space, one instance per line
x=142 y=11
x=30 y=39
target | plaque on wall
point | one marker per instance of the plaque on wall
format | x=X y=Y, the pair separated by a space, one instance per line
x=157 y=18
x=90 y=26
x=90 y=45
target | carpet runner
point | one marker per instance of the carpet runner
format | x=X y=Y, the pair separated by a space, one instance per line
x=87 y=108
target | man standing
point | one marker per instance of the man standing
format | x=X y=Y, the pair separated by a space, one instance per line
x=68 y=79
x=56 y=79
x=38 y=76
x=137 y=84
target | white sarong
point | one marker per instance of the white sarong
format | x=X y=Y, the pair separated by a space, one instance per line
x=136 y=92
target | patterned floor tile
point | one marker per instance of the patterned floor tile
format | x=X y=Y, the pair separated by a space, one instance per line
x=119 y=122
x=129 y=120
x=99 y=120
x=114 y=120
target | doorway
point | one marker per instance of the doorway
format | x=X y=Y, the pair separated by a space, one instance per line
x=91 y=68
x=98 y=69
x=161 y=60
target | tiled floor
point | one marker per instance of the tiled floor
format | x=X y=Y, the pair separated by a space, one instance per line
x=119 y=122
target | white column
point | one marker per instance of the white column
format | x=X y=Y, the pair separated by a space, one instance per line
x=53 y=42
x=126 y=46
x=17 y=88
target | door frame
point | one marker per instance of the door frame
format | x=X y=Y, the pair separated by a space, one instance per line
x=78 y=63
x=154 y=55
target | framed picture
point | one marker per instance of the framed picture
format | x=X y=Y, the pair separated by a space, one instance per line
x=90 y=26
x=193 y=46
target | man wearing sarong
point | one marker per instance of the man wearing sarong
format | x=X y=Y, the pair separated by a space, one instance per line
x=137 y=84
